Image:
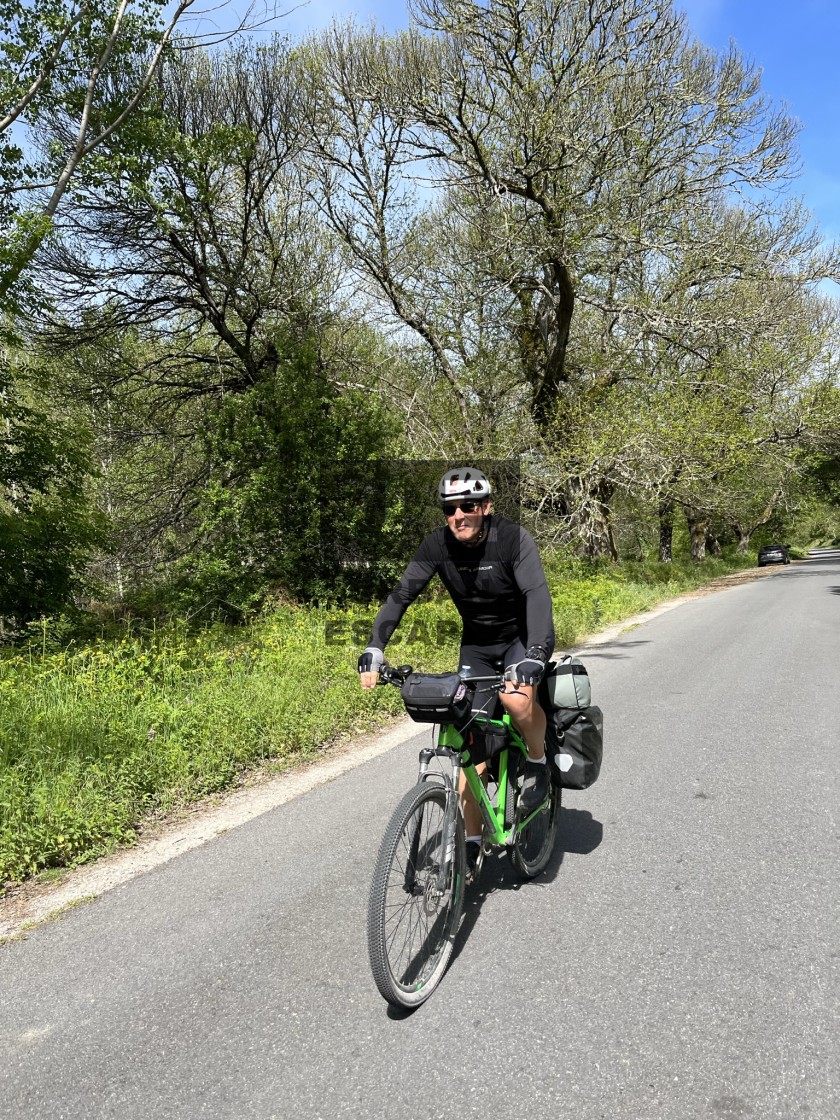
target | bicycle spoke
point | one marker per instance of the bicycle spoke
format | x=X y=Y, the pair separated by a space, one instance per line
x=413 y=927
x=411 y=921
x=534 y=841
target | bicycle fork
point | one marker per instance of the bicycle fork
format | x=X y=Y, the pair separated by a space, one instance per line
x=450 y=813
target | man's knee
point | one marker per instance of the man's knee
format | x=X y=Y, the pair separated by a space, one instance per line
x=519 y=704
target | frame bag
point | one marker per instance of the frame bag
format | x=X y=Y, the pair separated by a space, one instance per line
x=486 y=743
x=574 y=745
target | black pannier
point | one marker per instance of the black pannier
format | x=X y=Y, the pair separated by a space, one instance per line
x=436 y=698
x=575 y=746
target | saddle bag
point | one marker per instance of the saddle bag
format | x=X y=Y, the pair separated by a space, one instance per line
x=436 y=698
x=574 y=745
x=565 y=685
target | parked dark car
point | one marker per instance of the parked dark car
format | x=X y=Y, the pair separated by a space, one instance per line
x=772 y=554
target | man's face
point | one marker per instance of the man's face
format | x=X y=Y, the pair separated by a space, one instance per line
x=465 y=518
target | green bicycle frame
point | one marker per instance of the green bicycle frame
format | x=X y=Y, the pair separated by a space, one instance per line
x=494 y=816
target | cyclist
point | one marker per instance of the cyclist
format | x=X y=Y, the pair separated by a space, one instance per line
x=492 y=570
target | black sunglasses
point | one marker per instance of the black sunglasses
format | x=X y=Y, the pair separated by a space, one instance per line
x=452 y=508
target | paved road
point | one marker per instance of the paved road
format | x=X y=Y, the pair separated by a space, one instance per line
x=678 y=961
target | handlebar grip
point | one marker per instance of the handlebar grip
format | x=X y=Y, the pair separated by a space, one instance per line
x=397 y=677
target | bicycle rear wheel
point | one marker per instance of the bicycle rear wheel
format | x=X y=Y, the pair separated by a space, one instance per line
x=415 y=898
x=532 y=846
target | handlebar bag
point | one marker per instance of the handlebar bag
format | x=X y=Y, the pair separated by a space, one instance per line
x=565 y=685
x=436 y=697
x=574 y=744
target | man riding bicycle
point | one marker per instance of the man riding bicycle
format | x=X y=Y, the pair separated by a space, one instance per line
x=492 y=570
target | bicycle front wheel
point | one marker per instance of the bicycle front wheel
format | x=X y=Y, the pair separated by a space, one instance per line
x=415 y=898
x=532 y=845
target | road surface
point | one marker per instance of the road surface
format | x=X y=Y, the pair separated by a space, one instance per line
x=678 y=960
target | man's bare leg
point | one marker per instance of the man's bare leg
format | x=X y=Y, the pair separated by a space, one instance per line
x=473 y=821
x=520 y=701
x=529 y=718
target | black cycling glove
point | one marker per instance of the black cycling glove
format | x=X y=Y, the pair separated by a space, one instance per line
x=371 y=660
x=530 y=669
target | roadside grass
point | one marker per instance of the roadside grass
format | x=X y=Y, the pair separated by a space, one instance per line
x=96 y=737
x=587 y=597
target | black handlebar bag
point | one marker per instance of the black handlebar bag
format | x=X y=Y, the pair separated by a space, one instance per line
x=436 y=698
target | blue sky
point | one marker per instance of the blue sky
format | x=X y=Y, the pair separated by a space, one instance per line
x=796 y=45
x=794 y=42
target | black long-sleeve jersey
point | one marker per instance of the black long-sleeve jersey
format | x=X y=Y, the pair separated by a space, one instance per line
x=498 y=587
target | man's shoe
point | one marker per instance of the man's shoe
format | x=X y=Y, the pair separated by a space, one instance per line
x=473 y=852
x=535 y=786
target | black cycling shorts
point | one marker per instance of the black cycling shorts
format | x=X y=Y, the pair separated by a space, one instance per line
x=484 y=661
x=487 y=661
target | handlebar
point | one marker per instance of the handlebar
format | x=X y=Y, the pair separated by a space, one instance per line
x=397 y=677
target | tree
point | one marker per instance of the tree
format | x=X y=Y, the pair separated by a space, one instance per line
x=198 y=301
x=82 y=70
x=298 y=497
x=590 y=130
x=209 y=240
x=563 y=193
x=89 y=64
x=535 y=228
x=48 y=525
x=712 y=424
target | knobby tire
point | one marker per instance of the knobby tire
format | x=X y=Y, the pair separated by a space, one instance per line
x=411 y=924
x=532 y=847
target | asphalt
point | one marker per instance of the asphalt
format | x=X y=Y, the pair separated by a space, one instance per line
x=678 y=959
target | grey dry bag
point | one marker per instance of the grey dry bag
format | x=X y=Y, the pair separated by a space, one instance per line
x=565 y=685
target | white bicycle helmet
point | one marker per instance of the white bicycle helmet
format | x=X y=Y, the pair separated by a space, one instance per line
x=463 y=482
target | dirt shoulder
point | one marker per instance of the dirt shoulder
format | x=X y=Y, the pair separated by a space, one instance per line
x=164 y=838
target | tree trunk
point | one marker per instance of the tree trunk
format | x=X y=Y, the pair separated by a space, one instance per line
x=666 y=532
x=698 y=525
x=743 y=536
x=593 y=517
x=712 y=544
x=553 y=373
x=605 y=495
x=598 y=539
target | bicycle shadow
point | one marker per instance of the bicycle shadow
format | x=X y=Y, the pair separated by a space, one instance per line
x=578 y=833
x=611 y=651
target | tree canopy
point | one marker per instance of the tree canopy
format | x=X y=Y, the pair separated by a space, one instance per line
x=555 y=231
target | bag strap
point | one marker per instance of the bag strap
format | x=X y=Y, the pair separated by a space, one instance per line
x=570 y=716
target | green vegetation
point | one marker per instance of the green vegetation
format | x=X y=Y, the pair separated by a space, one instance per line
x=95 y=737
x=588 y=596
x=257 y=295
x=49 y=527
